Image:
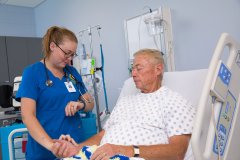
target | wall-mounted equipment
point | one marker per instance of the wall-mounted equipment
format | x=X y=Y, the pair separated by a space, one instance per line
x=151 y=30
x=154 y=23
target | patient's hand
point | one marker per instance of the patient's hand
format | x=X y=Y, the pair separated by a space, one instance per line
x=63 y=148
x=105 y=152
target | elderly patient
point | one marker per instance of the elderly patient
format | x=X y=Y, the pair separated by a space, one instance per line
x=155 y=123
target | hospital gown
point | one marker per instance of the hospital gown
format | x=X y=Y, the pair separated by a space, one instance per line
x=149 y=118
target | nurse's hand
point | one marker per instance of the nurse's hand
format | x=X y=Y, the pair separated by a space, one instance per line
x=62 y=148
x=68 y=138
x=72 y=107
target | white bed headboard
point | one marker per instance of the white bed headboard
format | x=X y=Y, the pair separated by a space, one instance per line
x=188 y=83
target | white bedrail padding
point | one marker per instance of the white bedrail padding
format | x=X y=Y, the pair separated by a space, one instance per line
x=203 y=133
x=10 y=138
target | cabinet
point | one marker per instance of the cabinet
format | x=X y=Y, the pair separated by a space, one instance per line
x=16 y=54
x=3 y=61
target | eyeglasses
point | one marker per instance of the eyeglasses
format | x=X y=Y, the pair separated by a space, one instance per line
x=140 y=68
x=67 y=55
x=137 y=68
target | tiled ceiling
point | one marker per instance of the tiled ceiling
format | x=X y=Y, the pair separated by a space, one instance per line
x=22 y=3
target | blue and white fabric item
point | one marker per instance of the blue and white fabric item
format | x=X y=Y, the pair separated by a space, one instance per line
x=86 y=152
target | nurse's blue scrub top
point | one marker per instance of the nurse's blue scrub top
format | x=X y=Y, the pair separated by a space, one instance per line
x=50 y=106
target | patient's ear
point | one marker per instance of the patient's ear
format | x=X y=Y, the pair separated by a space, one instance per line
x=159 y=68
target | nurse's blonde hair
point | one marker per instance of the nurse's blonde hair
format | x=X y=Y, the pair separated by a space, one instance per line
x=57 y=35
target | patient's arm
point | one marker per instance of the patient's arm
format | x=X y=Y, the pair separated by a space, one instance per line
x=175 y=150
x=94 y=140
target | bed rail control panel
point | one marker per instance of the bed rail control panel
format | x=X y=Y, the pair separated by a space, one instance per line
x=224 y=123
x=221 y=91
x=221 y=80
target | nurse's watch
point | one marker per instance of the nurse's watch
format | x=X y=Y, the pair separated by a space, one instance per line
x=136 y=151
x=84 y=104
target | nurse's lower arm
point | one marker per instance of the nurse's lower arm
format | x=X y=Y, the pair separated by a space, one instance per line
x=89 y=102
x=28 y=109
x=89 y=106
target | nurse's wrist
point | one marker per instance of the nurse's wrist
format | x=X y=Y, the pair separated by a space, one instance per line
x=84 y=104
x=49 y=145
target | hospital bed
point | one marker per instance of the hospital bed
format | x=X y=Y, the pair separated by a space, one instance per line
x=199 y=87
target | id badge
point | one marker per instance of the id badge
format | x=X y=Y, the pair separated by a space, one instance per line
x=70 y=86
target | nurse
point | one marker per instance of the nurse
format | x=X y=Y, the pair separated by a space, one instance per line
x=51 y=93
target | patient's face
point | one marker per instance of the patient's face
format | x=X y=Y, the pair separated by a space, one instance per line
x=145 y=74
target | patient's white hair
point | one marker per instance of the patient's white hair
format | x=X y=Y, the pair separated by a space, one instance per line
x=154 y=55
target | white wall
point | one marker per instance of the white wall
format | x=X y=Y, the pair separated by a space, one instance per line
x=197 y=26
